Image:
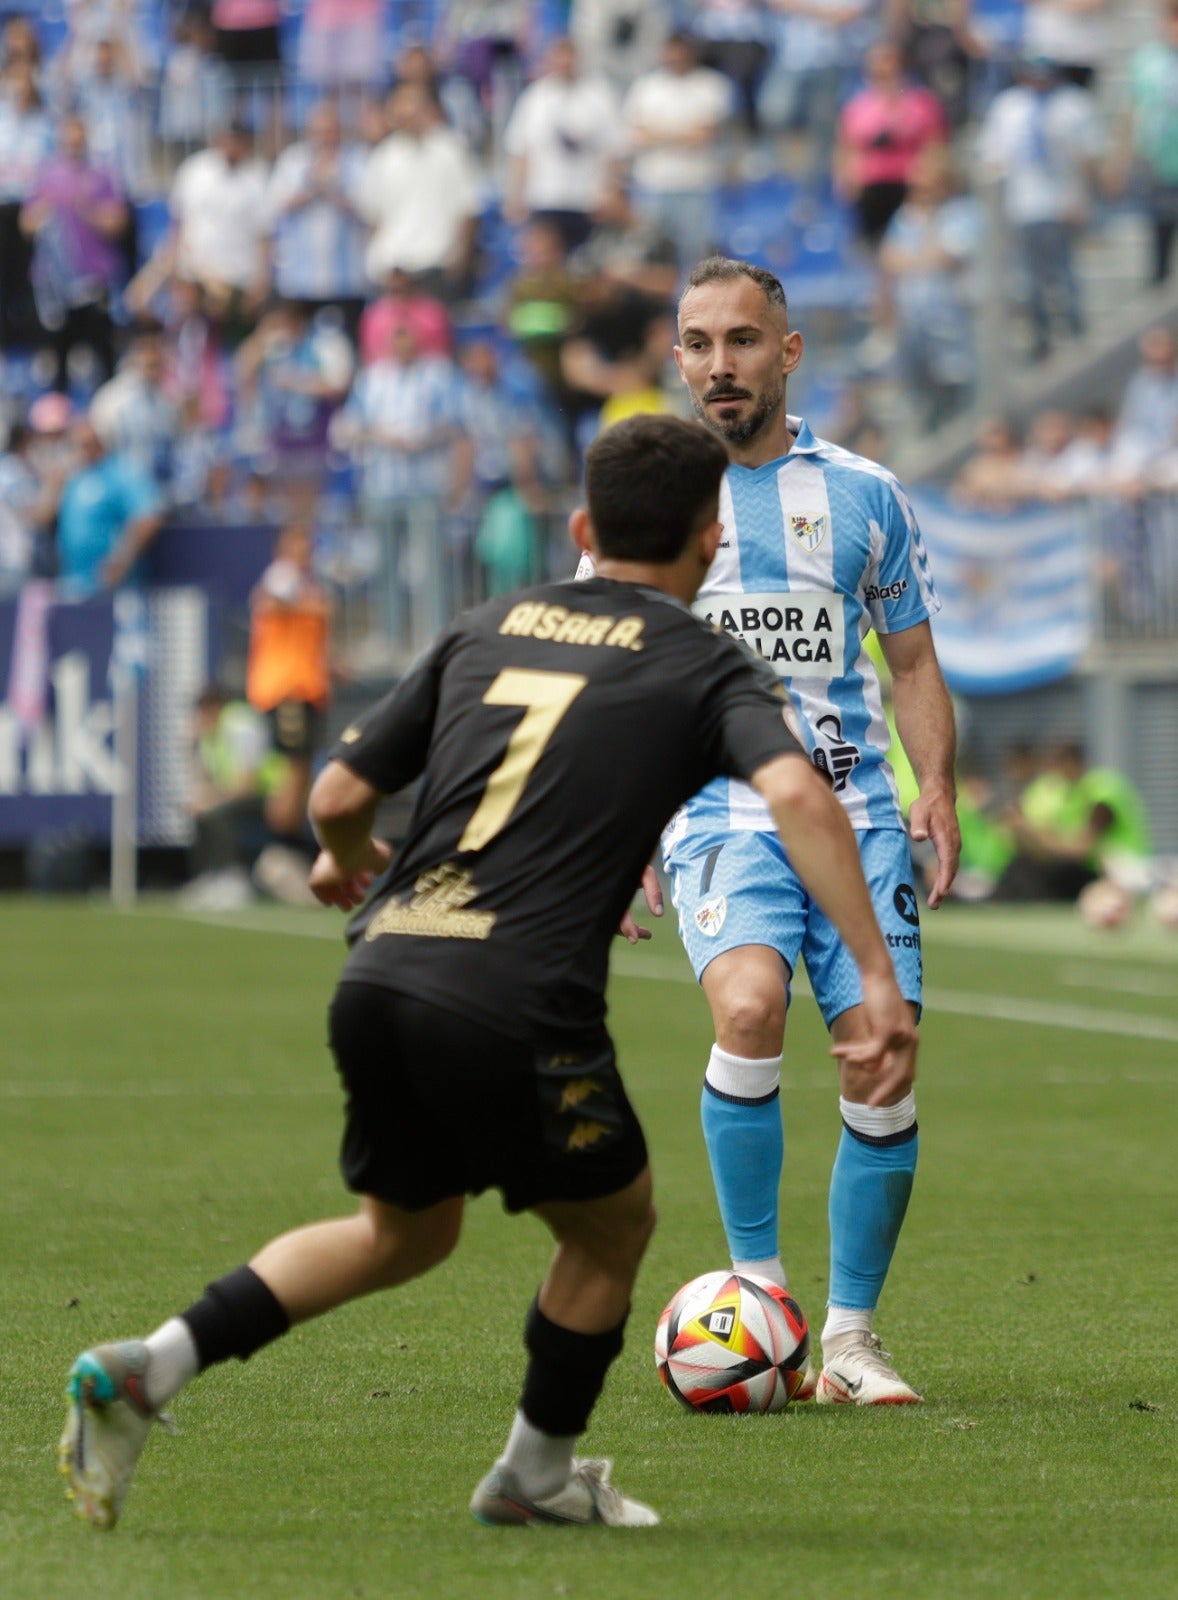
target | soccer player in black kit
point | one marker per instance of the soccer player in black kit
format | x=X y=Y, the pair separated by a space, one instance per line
x=554 y=732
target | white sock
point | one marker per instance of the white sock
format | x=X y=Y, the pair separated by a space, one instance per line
x=539 y=1462
x=770 y=1268
x=172 y=1359
x=840 y=1320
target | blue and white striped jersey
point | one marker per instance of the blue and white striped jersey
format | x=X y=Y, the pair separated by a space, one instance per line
x=819 y=546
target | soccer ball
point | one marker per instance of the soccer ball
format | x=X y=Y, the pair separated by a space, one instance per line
x=732 y=1343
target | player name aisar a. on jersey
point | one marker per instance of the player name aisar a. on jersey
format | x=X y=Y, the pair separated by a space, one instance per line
x=798 y=633
x=533 y=619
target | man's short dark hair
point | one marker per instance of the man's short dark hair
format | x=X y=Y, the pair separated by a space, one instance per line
x=652 y=481
x=725 y=269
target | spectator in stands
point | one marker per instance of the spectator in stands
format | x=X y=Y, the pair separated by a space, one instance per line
x=400 y=427
x=341 y=43
x=819 y=45
x=1147 y=422
x=1042 y=137
x=1088 y=464
x=20 y=46
x=26 y=143
x=293 y=374
x=419 y=192
x=403 y=302
x=196 y=87
x=673 y=120
x=1076 y=35
x=249 y=40
x=74 y=215
x=629 y=248
x=93 y=25
x=1048 y=438
x=564 y=143
x=486 y=41
x=928 y=254
x=135 y=416
x=220 y=228
x=939 y=46
x=881 y=132
x=505 y=484
x=619 y=39
x=110 y=512
x=1148 y=135
x=734 y=37
x=288 y=674
x=109 y=102
x=320 y=234
x=454 y=94
x=992 y=479
x=543 y=302
x=25 y=509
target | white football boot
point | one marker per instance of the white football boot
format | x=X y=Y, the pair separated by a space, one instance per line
x=106 y=1428
x=588 y=1496
x=856 y=1371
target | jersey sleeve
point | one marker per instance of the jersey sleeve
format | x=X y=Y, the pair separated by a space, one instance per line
x=743 y=711
x=898 y=584
x=387 y=746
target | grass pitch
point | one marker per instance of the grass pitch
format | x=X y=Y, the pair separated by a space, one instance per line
x=168 y=1104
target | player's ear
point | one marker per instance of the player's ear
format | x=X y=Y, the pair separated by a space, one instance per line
x=709 y=541
x=679 y=361
x=792 y=345
x=581 y=531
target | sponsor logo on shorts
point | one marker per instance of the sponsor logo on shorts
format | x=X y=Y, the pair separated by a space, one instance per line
x=576 y=1093
x=709 y=918
x=904 y=900
x=809 y=530
x=886 y=591
x=586 y=1134
x=903 y=941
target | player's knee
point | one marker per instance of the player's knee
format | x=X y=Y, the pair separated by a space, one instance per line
x=750 y=1020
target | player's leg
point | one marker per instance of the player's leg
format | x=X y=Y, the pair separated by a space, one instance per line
x=741 y=916
x=117 y=1391
x=876 y=1159
x=574 y=1333
x=740 y=1107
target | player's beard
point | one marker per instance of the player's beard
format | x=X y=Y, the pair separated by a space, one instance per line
x=740 y=430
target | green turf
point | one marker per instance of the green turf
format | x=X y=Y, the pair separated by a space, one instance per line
x=168 y=1104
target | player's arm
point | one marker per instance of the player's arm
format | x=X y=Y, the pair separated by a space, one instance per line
x=821 y=845
x=925 y=723
x=342 y=809
x=376 y=756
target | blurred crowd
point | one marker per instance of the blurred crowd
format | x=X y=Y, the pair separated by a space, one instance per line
x=385 y=266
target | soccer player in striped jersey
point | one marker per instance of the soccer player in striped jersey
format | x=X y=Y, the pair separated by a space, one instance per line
x=820 y=545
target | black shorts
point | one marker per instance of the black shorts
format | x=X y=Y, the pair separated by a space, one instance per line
x=438 y=1105
x=296 y=728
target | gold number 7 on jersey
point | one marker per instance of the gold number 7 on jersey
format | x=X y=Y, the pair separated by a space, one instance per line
x=546 y=696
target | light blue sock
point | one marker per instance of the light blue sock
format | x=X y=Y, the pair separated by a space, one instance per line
x=869 y=1190
x=741 y=1114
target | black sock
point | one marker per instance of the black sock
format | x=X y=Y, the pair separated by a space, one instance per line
x=234 y=1317
x=566 y=1373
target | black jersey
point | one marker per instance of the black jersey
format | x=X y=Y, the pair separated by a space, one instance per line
x=555 y=732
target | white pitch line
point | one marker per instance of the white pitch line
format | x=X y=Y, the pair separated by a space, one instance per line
x=1094 y=977
x=955 y=1002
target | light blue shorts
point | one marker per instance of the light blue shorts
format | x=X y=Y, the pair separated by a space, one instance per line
x=738 y=888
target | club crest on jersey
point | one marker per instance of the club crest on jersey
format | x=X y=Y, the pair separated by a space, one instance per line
x=709 y=918
x=808 y=530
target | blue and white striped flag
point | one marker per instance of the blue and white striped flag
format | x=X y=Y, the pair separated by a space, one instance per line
x=1016 y=590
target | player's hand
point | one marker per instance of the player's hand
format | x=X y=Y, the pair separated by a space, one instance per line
x=652 y=891
x=346 y=888
x=888 y=1051
x=934 y=816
